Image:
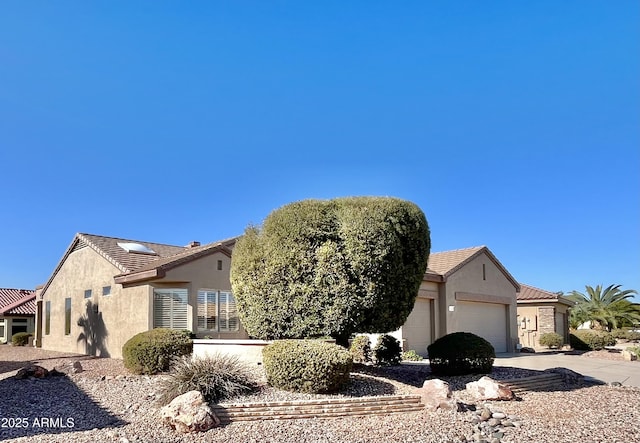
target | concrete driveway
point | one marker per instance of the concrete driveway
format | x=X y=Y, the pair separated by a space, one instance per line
x=608 y=371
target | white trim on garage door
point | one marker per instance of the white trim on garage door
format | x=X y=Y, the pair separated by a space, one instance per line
x=488 y=320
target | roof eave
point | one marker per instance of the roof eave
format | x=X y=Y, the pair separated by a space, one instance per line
x=433 y=277
x=137 y=277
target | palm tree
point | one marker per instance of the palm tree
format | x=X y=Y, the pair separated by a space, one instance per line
x=605 y=309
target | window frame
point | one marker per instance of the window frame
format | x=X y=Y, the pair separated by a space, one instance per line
x=178 y=306
x=88 y=293
x=47 y=317
x=225 y=311
x=67 y=316
x=106 y=291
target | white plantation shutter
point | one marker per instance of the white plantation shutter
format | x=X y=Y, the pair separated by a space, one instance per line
x=222 y=297
x=207 y=310
x=217 y=311
x=232 y=313
x=170 y=308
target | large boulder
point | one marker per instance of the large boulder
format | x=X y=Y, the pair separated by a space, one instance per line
x=488 y=389
x=189 y=413
x=436 y=394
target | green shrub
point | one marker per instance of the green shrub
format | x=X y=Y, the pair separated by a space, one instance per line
x=330 y=267
x=551 y=340
x=387 y=350
x=151 y=351
x=310 y=366
x=411 y=355
x=361 y=349
x=461 y=353
x=590 y=340
x=625 y=334
x=635 y=351
x=20 y=338
x=217 y=377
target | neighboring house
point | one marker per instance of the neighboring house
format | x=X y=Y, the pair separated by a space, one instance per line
x=465 y=290
x=17 y=312
x=541 y=311
x=105 y=290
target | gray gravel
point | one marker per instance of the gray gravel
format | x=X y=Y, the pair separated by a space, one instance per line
x=121 y=408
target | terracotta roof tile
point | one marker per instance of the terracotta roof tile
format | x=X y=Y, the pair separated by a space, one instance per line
x=17 y=301
x=128 y=261
x=530 y=293
x=445 y=263
x=188 y=255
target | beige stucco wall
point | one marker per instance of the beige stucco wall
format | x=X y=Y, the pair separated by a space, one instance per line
x=491 y=286
x=204 y=274
x=528 y=322
x=121 y=314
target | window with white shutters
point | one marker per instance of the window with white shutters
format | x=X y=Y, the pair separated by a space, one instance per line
x=170 y=308
x=217 y=311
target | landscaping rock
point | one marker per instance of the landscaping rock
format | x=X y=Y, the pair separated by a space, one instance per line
x=189 y=413
x=436 y=394
x=31 y=371
x=488 y=389
x=69 y=368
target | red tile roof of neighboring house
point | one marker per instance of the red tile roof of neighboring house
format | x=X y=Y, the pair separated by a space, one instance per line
x=530 y=294
x=17 y=301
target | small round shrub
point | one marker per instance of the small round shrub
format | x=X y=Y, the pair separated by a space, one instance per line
x=387 y=351
x=461 y=353
x=590 y=340
x=310 y=366
x=20 y=338
x=411 y=355
x=217 y=377
x=551 y=340
x=361 y=349
x=151 y=351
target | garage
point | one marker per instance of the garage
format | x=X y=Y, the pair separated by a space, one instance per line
x=487 y=320
x=418 y=329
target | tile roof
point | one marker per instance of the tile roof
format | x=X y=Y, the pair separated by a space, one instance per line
x=17 y=301
x=530 y=294
x=447 y=262
x=129 y=263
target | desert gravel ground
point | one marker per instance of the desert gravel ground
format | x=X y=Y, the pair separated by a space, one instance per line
x=106 y=404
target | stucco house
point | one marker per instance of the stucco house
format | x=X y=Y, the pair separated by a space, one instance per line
x=541 y=311
x=105 y=290
x=17 y=312
x=465 y=290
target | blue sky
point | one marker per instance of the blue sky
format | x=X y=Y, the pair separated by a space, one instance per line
x=514 y=125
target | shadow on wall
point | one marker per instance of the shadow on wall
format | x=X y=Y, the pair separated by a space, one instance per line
x=94 y=332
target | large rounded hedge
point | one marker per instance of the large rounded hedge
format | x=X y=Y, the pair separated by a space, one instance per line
x=461 y=353
x=310 y=366
x=151 y=351
x=319 y=268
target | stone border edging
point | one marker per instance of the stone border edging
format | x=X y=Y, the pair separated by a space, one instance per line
x=318 y=408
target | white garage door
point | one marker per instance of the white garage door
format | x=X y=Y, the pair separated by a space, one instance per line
x=417 y=329
x=488 y=320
